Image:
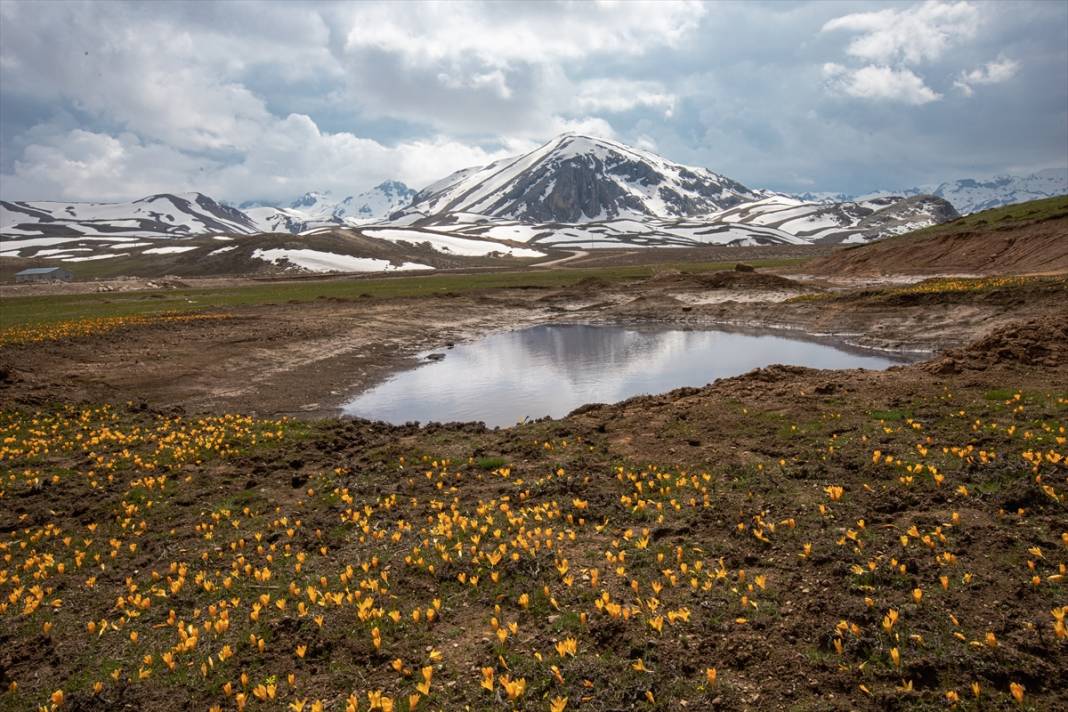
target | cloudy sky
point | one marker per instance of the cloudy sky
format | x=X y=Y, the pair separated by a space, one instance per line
x=267 y=100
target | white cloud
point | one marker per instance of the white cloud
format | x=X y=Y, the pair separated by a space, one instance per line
x=261 y=99
x=589 y=125
x=295 y=156
x=493 y=80
x=172 y=106
x=646 y=143
x=185 y=118
x=1000 y=70
x=616 y=95
x=504 y=67
x=502 y=34
x=81 y=164
x=909 y=35
x=890 y=42
x=879 y=83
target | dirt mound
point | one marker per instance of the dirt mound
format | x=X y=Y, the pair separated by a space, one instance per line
x=651 y=300
x=746 y=280
x=773 y=373
x=1039 y=247
x=589 y=285
x=725 y=280
x=1036 y=342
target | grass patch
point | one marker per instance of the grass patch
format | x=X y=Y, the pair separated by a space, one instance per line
x=490 y=463
x=21 y=311
x=889 y=414
x=982 y=285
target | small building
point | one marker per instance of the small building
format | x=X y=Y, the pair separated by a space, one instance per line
x=43 y=274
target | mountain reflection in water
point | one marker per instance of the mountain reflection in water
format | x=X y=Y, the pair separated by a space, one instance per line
x=552 y=369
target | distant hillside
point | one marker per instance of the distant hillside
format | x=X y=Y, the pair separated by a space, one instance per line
x=1016 y=239
x=333 y=249
x=970 y=195
x=164 y=214
x=318 y=210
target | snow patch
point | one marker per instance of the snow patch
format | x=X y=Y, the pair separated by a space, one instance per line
x=167 y=250
x=316 y=261
x=450 y=244
x=54 y=251
x=90 y=258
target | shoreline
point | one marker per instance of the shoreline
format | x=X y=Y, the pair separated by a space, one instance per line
x=307 y=359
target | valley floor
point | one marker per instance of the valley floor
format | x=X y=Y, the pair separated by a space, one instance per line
x=787 y=539
x=307 y=356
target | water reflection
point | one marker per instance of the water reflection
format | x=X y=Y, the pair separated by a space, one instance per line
x=553 y=369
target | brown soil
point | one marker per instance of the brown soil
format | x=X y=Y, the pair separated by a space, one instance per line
x=1038 y=248
x=267 y=360
x=710 y=253
x=1036 y=343
x=726 y=280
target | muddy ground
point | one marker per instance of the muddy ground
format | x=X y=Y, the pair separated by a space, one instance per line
x=309 y=358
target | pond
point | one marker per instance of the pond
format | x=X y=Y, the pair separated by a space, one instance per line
x=504 y=378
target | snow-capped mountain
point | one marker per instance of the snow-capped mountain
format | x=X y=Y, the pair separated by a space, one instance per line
x=824 y=197
x=849 y=221
x=577 y=179
x=379 y=202
x=314 y=210
x=970 y=195
x=197 y=214
x=586 y=191
x=774 y=220
x=162 y=214
x=271 y=219
x=574 y=191
x=374 y=204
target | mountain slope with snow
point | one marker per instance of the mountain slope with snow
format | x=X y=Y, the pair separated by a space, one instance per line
x=971 y=196
x=378 y=203
x=851 y=221
x=579 y=190
x=577 y=179
x=162 y=214
x=316 y=210
x=331 y=249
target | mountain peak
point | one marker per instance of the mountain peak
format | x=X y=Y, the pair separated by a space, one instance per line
x=575 y=178
x=320 y=209
x=572 y=143
x=310 y=199
x=392 y=187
